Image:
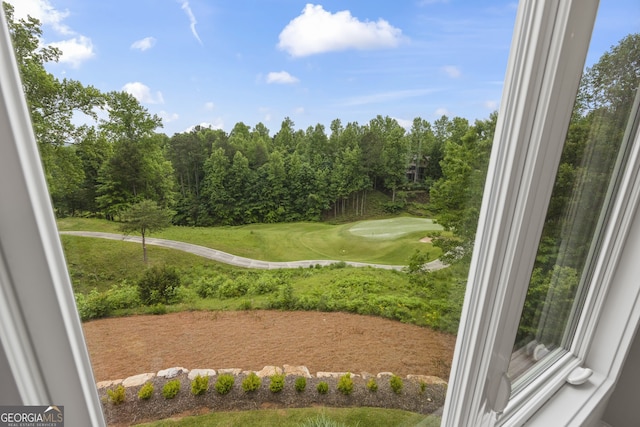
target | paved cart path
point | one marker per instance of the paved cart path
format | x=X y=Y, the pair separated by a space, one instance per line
x=231 y=259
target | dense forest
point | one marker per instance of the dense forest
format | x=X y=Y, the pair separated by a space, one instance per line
x=210 y=177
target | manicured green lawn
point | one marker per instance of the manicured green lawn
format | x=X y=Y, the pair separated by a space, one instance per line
x=369 y=417
x=390 y=241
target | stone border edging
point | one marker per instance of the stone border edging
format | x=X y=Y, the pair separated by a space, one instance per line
x=267 y=371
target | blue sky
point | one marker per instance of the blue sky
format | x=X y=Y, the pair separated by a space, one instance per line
x=218 y=62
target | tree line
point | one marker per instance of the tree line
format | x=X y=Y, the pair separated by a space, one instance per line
x=211 y=177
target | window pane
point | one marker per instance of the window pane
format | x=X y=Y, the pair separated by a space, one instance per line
x=594 y=154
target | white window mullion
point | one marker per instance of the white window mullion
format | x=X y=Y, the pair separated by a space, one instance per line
x=548 y=52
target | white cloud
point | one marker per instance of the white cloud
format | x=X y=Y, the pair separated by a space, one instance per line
x=442 y=112
x=317 y=31
x=299 y=110
x=218 y=123
x=168 y=117
x=406 y=124
x=44 y=12
x=209 y=106
x=386 y=96
x=452 y=71
x=75 y=50
x=491 y=105
x=144 y=44
x=142 y=93
x=192 y=19
x=281 y=77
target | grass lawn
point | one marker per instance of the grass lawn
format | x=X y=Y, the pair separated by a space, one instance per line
x=370 y=417
x=389 y=241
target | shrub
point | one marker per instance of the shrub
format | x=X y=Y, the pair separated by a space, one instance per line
x=157 y=309
x=92 y=306
x=159 y=285
x=207 y=287
x=199 y=385
x=301 y=384
x=322 y=387
x=146 y=391
x=277 y=383
x=122 y=296
x=170 y=389
x=224 y=383
x=232 y=288
x=345 y=384
x=372 y=385
x=252 y=382
x=396 y=384
x=423 y=387
x=116 y=395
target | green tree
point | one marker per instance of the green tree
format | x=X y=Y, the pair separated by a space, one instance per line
x=458 y=194
x=145 y=217
x=138 y=168
x=52 y=104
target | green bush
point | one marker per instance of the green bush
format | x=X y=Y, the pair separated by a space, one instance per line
x=122 y=296
x=224 y=383
x=207 y=287
x=322 y=387
x=277 y=383
x=372 y=385
x=170 y=389
x=232 y=288
x=301 y=384
x=116 y=395
x=146 y=391
x=159 y=285
x=345 y=384
x=199 y=385
x=157 y=309
x=423 y=387
x=396 y=384
x=252 y=382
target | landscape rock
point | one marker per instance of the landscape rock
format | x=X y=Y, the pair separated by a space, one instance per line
x=107 y=384
x=332 y=374
x=300 y=371
x=137 y=380
x=231 y=371
x=385 y=374
x=172 y=372
x=268 y=371
x=202 y=372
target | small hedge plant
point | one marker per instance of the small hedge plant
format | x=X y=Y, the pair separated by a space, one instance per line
x=116 y=395
x=200 y=385
x=301 y=384
x=322 y=387
x=251 y=383
x=277 y=383
x=372 y=385
x=345 y=384
x=396 y=384
x=170 y=389
x=146 y=391
x=224 y=383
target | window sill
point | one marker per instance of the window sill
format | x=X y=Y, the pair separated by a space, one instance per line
x=575 y=405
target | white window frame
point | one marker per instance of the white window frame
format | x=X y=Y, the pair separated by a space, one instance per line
x=548 y=52
x=43 y=356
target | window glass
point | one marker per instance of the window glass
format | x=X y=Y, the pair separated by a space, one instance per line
x=594 y=154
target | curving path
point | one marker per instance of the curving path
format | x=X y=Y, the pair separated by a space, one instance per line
x=238 y=261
